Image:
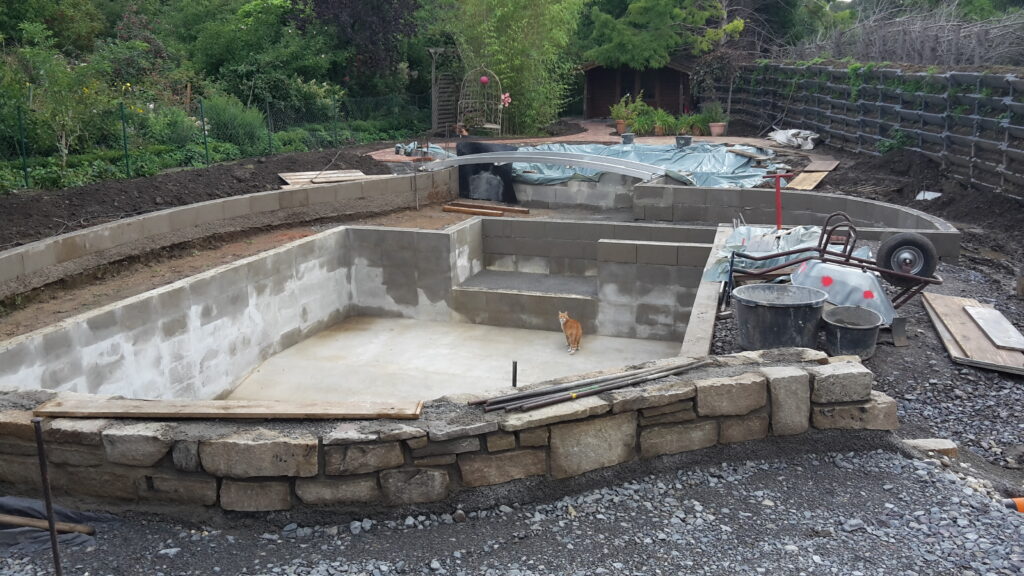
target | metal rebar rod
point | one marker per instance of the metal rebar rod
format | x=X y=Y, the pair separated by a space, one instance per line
x=562 y=387
x=45 y=476
x=582 y=391
x=594 y=390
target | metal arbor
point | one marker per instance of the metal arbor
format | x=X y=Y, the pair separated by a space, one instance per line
x=480 y=103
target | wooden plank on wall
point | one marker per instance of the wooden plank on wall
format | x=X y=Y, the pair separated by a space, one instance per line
x=822 y=166
x=806 y=180
x=232 y=409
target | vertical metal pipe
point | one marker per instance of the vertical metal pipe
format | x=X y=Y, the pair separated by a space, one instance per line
x=202 y=120
x=37 y=423
x=270 y=130
x=334 y=114
x=515 y=372
x=124 y=143
x=24 y=145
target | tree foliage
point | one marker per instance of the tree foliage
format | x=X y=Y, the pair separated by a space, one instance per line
x=650 y=32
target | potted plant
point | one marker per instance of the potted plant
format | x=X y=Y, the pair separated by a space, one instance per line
x=664 y=122
x=643 y=119
x=699 y=124
x=620 y=112
x=715 y=117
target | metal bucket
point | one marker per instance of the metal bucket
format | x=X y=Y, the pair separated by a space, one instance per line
x=851 y=330
x=778 y=316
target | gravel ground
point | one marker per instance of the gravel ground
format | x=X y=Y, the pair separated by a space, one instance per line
x=976 y=408
x=853 y=513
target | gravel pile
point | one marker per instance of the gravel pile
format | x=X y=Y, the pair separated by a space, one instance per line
x=854 y=513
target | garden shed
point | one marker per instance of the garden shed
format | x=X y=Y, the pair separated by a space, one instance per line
x=667 y=88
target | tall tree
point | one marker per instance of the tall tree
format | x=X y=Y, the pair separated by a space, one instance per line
x=650 y=32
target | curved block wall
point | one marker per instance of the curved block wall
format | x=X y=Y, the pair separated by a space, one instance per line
x=32 y=265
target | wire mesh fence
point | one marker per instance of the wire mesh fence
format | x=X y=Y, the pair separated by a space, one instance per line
x=131 y=137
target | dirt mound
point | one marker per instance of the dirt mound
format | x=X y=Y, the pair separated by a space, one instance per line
x=564 y=128
x=36 y=214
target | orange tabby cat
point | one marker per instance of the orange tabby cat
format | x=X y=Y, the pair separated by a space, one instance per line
x=572 y=330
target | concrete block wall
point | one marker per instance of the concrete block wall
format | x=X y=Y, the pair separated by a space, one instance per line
x=647 y=289
x=26 y=267
x=260 y=467
x=611 y=191
x=663 y=201
x=195 y=338
x=568 y=247
x=199 y=337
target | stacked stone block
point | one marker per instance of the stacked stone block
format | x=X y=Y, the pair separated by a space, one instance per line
x=249 y=467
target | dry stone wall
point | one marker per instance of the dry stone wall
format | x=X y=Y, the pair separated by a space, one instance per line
x=354 y=465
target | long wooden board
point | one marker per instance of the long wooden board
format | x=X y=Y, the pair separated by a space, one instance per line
x=748 y=154
x=806 y=180
x=486 y=206
x=996 y=327
x=298 y=177
x=232 y=409
x=963 y=339
x=821 y=166
x=474 y=211
x=42 y=524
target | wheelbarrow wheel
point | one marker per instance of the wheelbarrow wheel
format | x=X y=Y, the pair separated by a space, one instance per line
x=909 y=253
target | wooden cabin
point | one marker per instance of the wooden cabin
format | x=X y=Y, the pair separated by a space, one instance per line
x=667 y=88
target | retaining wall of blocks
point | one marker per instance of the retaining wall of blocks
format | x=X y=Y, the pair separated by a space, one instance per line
x=23 y=268
x=256 y=467
x=972 y=123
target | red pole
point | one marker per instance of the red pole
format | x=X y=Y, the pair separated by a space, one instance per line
x=778 y=197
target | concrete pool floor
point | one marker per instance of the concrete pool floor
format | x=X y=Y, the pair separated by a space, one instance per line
x=368 y=358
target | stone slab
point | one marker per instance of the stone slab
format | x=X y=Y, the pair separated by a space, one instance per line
x=499 y=441
x=199 y=489
x=878 y=413
x=260 y=452
x=348 y=433
x=77 y=430
x=660 y=394
x=790 y=391
x=533 y=437
x=580 y=447
x=942 y=446
x=18 y=424
x=572 y=410
x=142 y=444
x=446 y=431
x=255 y=496
x=457 y=446
x=675 y=438
x=489 y=469
x=414 y=485
x=362 y=458
x=731 y=396
x=842 y=382
x=744 y=428
x=318 y=491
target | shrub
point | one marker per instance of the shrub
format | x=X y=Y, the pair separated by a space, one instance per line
x=227 y=119
x=292 y=140
x=171 y=126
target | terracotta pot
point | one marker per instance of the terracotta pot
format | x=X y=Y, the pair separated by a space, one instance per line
x=620 y=126
x=659 y=131
x=717 y=128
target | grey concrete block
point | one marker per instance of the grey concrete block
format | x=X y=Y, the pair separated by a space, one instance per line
x=11 y=265
x=265 y=202
x=397 y=185
x=616 y=251
x=593 y=232
x=237 y=206
x=565 y=248
x=495 y=227
x=157 y=223
x=693 y=255
x=39 y=255
x=534 y=229
x=631 y=232
x=656 y=253
x=564 y=230
x=184 y=217
x=662 y=213
x=348 y=191
x=320 y=195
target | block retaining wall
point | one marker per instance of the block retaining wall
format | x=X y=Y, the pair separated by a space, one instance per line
x=26 y=267
x=971 y=123
x=253 y=467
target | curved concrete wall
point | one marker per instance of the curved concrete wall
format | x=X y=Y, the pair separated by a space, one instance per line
x=26 y=267
x=660 y=201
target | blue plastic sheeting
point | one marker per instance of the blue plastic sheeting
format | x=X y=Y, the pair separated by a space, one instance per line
x=701 y=164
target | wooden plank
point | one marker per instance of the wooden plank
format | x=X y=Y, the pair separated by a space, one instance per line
x=748 y=154
x=996 y=327
x=822 y=166
x=474 y=211
x=295 y=177
x=233 y=409
x=964 y=339
x=62 y=527
x=806 y=180
x=349 y=178
x=485 y=206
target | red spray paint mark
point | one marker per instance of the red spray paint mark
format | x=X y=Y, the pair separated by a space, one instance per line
x=826 y=281
x=869 y=295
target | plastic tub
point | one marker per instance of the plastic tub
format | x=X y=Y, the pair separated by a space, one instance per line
x=778 y=316
x=851 y=330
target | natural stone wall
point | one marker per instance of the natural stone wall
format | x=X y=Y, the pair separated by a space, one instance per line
x=251 y=467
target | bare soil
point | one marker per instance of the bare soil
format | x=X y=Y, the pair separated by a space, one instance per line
x=35 y=214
